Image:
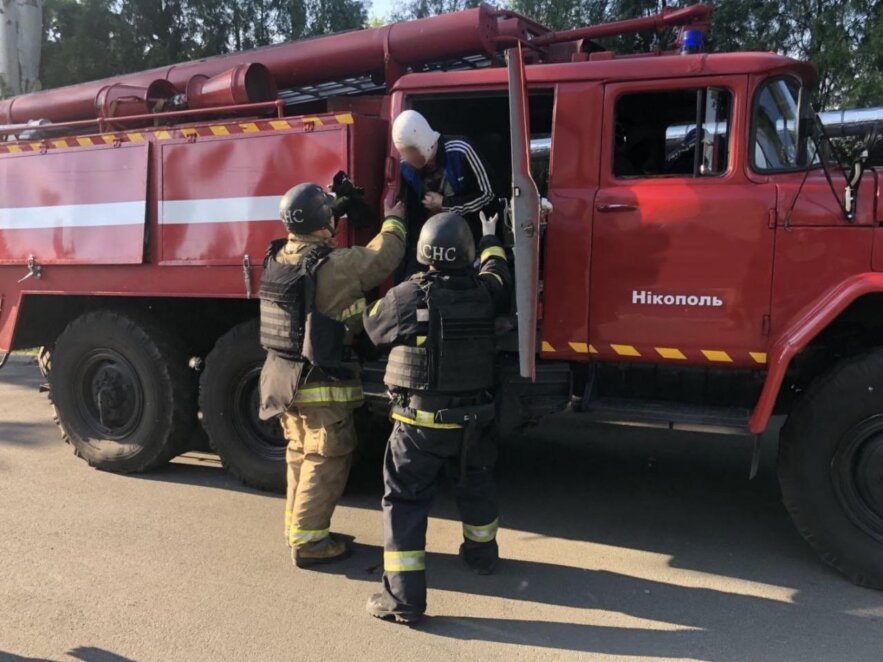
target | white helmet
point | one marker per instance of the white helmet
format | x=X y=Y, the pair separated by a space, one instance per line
x=411 y=129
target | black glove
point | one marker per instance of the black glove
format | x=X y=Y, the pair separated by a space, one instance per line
x=351 y=202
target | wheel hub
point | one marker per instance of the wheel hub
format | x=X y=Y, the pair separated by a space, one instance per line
x=111 y=399
x=857 y=470
x=869 y=473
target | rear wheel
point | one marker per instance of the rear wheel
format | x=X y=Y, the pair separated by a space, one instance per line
x=251 y=449
x=122 y=392
x=831 y=468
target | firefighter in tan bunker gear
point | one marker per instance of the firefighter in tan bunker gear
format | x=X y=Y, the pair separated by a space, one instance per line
x=312 y=299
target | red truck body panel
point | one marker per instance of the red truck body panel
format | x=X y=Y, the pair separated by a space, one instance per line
x=61 y=207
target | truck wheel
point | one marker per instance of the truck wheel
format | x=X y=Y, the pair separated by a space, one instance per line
x=229 y=395
x=831 y=468
x=123 y=395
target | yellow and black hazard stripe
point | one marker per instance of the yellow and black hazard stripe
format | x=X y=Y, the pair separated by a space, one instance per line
x=717 y=356
x=227 y=128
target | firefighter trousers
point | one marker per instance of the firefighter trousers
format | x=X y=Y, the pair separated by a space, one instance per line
x=415 y=456
x=321 y=441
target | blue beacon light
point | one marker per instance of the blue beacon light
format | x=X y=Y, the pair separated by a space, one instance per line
x=692 y=42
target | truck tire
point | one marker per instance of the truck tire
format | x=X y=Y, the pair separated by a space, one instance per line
x=123 y=395
x=229 y=395
x=830 y=467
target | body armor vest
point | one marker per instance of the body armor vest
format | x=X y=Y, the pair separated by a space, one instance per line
x=458 y=353
x=290 y=324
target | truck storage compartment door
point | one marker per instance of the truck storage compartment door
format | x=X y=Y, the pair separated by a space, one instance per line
x=220 y=195
x=74 y=206
x=525 y=208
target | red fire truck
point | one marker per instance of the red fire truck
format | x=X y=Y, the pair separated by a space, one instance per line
x=702 y=267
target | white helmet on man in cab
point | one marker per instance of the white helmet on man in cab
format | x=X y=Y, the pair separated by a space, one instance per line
x=411 y=131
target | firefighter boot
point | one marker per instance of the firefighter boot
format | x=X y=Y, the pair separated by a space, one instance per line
x=482 y=558
x=328 y=550
x=384 y=607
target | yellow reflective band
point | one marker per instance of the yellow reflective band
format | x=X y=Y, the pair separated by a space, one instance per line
x=421 y=340
x=491 y=273
x=395 y=226
x=425 y=419
x=493 y=251
x=351 y=311
x=375 y=308
x=671 y=353
x=300 y=536
x=404 y=561
x=717 y=355
x=314 y=395
x=484 y=533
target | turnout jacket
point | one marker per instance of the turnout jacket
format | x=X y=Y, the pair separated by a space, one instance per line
x=341 y=283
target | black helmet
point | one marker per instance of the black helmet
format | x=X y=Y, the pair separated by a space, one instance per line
x=446 y=242
x=306 y=208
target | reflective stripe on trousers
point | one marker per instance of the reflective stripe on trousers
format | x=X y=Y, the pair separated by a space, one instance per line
x=301 y=536
x=404 y=561
x=484 y=533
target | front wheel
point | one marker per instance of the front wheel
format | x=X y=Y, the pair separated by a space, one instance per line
x=831 y=468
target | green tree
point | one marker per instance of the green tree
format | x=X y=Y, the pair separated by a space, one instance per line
x=83 y=41
x=162 y=32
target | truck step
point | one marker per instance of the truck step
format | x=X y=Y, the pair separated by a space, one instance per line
x=668 y=415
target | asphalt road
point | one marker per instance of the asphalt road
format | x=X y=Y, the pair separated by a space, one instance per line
x=618 y=545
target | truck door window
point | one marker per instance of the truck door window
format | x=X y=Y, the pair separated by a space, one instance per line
x=674 y=133
x=778 y=143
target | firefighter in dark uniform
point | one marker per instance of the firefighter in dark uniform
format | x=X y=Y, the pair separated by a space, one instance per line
x=440 y=325
x=312 y=300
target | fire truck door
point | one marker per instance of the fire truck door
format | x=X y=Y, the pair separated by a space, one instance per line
x=682 y=240
x=525 y=210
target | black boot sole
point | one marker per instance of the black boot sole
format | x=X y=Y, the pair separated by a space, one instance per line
x=398 y=617
x=482 y=571
x=307 y=563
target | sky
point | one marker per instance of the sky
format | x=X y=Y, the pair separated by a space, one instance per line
x=380 y=8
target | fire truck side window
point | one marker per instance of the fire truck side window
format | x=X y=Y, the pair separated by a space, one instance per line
x=778 y=143
x=656 y=133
